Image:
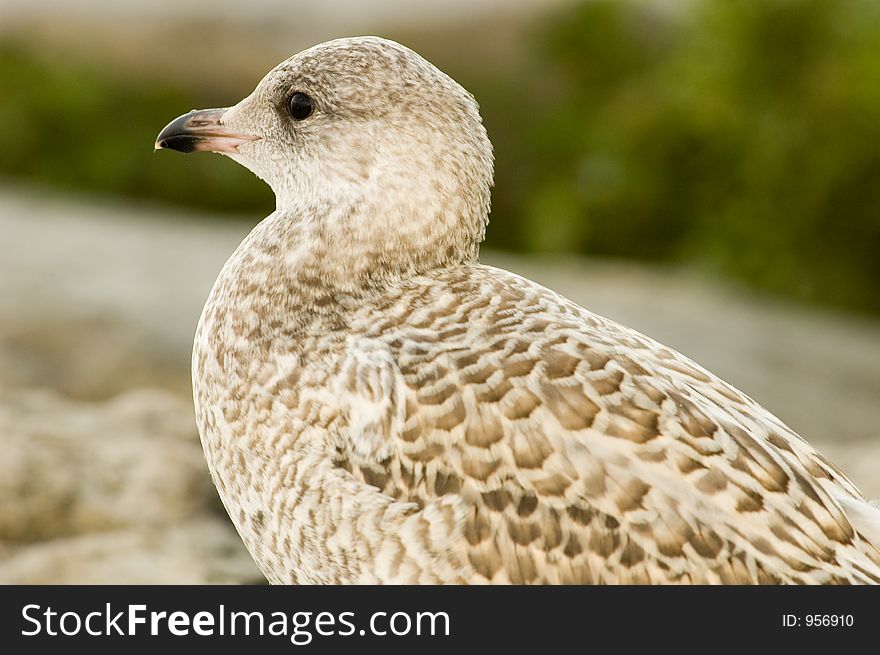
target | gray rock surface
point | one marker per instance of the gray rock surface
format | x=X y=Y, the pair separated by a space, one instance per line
x=200 y=551
x=110 y=492
x=79 y=467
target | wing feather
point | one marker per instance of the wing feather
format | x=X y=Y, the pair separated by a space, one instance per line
x=583 y=451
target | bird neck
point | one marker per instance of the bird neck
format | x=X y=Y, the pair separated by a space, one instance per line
x=359 y=246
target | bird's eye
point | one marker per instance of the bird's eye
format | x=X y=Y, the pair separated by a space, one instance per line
x=300 y=106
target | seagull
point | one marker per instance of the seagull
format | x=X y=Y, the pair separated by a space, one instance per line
x=376 y=406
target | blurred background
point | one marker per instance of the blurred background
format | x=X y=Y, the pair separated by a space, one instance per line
x=707 y=172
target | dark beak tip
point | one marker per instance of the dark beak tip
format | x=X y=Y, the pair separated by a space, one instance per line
x=177 y=135
x=180 y=142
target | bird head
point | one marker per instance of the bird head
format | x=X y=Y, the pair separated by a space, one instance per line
x=366 y=139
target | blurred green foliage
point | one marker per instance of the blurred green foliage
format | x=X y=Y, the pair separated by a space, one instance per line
x=76 y=125
x=742 y=136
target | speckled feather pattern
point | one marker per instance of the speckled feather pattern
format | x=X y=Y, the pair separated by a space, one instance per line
x=472 y=426
x=376 y=406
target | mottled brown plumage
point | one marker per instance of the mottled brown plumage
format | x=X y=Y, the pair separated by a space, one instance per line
x=376 y=406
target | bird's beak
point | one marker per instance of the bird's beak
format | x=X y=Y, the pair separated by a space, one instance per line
x=201 y=129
